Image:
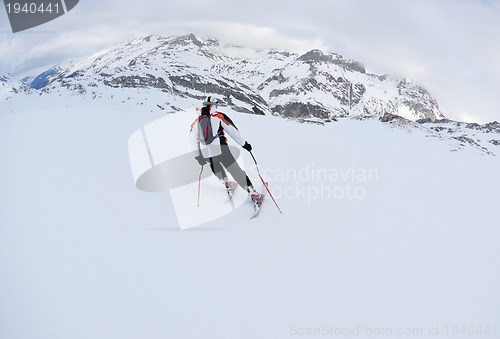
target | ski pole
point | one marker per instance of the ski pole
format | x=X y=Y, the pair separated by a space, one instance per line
x=199 y=181
x=264 y=183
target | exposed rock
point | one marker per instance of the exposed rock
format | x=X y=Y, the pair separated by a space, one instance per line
x=387 y=117
x=299 y=109
x=317 y=56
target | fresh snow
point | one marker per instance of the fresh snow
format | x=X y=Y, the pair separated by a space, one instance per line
x=384 y=228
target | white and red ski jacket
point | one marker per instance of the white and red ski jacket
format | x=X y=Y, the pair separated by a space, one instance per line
x=220 y=124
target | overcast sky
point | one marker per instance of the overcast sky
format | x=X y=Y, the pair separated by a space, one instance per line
x=452 y=47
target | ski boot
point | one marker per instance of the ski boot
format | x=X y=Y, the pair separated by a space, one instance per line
x=255 y=196
x=230 y=186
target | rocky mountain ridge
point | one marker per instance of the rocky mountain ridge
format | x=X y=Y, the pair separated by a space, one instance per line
x=10 y=87
x=179 y=69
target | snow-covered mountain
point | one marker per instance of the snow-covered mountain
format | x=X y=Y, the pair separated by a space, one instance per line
x=10 y=87
x=167 y=73
x=484 y=139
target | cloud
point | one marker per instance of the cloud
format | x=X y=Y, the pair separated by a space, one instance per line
x=449 y=46
x=34 y=49
x=253 y=36
x=466 y=116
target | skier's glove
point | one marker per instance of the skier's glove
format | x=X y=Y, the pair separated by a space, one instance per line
x=201 y=160
x=247 y=146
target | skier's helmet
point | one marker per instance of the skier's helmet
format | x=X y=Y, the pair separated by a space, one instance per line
x=211 y=101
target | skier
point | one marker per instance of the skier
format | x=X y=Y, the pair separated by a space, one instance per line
x=207 y=138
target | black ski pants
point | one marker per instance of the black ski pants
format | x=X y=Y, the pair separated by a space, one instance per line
x=226 y=161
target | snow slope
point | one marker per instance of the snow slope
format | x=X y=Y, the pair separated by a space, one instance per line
x=384 y=231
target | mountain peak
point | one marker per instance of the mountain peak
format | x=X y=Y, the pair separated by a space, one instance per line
x=317 y=56
x=187 y=39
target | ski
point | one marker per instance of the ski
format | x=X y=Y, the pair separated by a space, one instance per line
x=257 y=206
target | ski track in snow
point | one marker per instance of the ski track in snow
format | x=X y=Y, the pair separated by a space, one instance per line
x=84 y=254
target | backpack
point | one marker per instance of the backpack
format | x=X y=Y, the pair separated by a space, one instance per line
x=206 y=134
